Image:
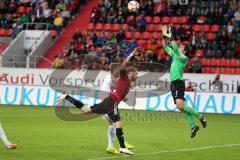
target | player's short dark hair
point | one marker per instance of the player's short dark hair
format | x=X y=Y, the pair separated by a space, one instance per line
x=187 y=48
x=114 y=66
x=131 y=69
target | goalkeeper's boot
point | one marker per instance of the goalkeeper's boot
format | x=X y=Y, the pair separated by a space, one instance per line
x=11 y=146
x=129 y=146
x=112 y=150
x=126 y=151
x=194 y=131
x=203 y=121
x=60 y=98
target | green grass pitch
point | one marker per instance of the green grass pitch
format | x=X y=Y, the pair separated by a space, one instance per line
x=40 y=135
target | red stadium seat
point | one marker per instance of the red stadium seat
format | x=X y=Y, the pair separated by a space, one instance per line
x=129 y=19
x=99 y=26
x=146 y=35
x=159 y=44
x=148 y=42
x=21 y=10
x=137 y=35
x=213 y=62
x=158 y=28
x=177 y=26
x=174 y=20
x=236 y=71
x=203 y=61
x=9 y=32
x=116 y=27
x=184 y=20
x=222 y=62
x=207 y=70
x=2 y=32
x=27 y=9
x=155 y=35
x=125 y=27
x=217 y=70
x=211 y=36
x=148 y=19
x=227 y=71
x=151 y=27
x=129 y=35
x=215 y=28
x=199 y=52
x=206 y=28
x=165 y=20
x=233 y=63
x=196 y=28
x=238 y=63
x=156 y=20
x=90 y=26
x=107 y=27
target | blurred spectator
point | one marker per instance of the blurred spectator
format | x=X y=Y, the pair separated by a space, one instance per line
x=237 y=17
x=141 y=24
x=12 y=6
x=66 y=17
x=230 y=27
x=111 y=16
x=152 y=48
x=95 y=15
x=203 y=40
x=61 y=5
x=58 y=23
x=218 y=85
x=4 y=21
x=25 y=18
x=77 y=34
x=189 y=87
x=120 y=36
x=196 y=66
x=58 y=61
x=237 y=50
x=222 y=40
x=102 y=40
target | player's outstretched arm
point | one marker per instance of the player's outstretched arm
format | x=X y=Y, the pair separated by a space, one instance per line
x=129 y=57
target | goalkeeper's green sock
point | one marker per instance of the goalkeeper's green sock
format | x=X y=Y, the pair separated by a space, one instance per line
x=189 y=119
x=192 y=112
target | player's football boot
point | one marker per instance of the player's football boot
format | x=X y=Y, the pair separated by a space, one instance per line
x=203 y=121
x=129 y=146
x=125 y=151
x=11 y=146
x=61 y=98
x=194 y=131
x=112 y=150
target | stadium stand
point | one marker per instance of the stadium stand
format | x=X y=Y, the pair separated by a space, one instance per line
x=15 y=14
x=212 y=28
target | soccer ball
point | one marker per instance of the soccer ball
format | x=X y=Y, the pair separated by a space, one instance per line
x=133 y=6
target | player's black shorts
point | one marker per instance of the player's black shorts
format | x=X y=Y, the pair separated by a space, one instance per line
x=114 y=115
x=178 y=89
x=106 y=106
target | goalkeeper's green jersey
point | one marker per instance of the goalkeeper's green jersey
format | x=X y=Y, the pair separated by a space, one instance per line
x=179 y=61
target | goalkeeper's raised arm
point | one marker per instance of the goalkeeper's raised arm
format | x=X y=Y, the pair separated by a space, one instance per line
x=167 y=36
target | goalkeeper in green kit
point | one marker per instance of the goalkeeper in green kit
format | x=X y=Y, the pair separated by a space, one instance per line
x=178 y=65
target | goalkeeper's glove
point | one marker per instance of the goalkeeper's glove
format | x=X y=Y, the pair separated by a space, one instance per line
x=166 y=32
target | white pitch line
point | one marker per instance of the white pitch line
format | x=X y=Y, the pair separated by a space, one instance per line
x=169 y=151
